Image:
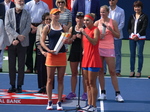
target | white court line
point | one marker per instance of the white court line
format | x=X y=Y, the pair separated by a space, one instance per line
x=102 y=106
x=108 y=77
x=101 y=101
x=143 y=78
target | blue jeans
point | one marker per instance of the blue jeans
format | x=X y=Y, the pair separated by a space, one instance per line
x=118 y=45
x=140 y=46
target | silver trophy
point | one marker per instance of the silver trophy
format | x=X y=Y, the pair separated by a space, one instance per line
x=61 y=42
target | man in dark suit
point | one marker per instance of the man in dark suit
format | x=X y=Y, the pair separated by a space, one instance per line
x=36 y=8
x=86 y=6
x=4 y=6
x=17 y=26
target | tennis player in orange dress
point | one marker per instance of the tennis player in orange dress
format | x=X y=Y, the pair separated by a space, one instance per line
x=54 y=61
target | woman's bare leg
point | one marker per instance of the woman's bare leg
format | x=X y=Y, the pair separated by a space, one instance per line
x=60 y=79
x=50 y=79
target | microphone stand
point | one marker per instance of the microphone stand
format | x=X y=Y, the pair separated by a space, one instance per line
x=78 y=107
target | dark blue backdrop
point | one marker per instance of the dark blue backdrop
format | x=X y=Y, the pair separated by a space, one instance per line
x=127 y=5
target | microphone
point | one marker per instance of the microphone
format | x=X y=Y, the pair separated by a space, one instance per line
x=103 y=29
x=84 y=27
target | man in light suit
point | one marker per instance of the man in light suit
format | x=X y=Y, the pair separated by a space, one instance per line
x=85 y=6
x=1 y=34
x=117 y=13
x=4 y=6
x=17 y=26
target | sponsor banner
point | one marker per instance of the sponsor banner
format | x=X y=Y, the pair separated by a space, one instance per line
x=27 y=97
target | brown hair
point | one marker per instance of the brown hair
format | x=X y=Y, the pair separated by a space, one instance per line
x=138 y=4
x=105 y=7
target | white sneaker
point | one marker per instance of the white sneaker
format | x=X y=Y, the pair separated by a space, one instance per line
x=92 y=109
x=119 y=98
x=49 y=105
x=86 y=107
x=102 y=97
x=59 y=107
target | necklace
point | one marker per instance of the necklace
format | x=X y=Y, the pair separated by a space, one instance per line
x=77 y=27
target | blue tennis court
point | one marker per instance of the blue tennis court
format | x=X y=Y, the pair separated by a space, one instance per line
x=135 y=91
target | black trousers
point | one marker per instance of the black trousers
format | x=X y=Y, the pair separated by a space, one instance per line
x=29 y=54
x=42 y=73
x=16 y=54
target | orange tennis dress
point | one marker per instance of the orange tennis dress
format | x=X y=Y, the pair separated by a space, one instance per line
x=52 y=59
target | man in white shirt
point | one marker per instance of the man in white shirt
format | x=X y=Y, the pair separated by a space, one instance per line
x=36 y=8
x=116 y=13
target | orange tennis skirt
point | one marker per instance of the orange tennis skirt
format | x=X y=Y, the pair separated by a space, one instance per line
x=56 y=60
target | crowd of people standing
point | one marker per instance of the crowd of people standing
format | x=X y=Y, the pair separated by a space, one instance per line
x=96 y=40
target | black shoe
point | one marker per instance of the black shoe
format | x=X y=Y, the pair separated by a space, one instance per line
x=11 y=90
x=132 y=74
x=138 y=75
x=1 y=70
x=42 y=90
x=19 y=90
x=29 y=71
x=36 y=71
